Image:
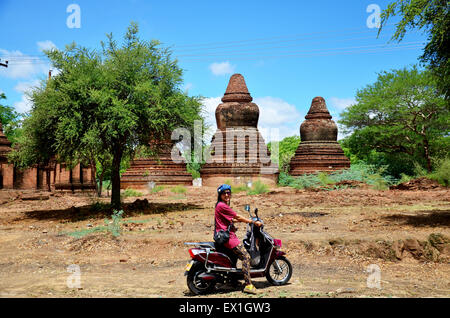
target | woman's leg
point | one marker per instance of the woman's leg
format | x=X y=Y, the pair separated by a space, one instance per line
x=243 y=255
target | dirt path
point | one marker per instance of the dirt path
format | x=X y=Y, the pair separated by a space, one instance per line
x=342 y=243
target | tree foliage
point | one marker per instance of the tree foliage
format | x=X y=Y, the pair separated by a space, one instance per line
x=431 y=16
x=102 y=105
x=286 y=150
x=401 y=116
x=10 y=120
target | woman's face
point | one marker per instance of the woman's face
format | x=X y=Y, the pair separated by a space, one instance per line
x=226 y=196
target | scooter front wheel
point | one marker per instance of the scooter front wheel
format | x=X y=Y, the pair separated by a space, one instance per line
x=195 y=283
x=279 y=272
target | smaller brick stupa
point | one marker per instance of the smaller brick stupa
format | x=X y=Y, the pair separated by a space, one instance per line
x=318 y=149
x=6 y=169
x=5 y=146
x=159 y=170
x=239 y=153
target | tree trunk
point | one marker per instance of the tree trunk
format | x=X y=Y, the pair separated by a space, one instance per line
x=115 y=178
x=94 y=178
x=426 y=147
x=100 y=186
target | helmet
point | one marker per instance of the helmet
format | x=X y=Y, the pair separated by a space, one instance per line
x=223 y=187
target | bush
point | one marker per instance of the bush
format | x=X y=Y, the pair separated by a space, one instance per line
x=442 y=172
x=258 y=188
x=362 y=172
x=132 y=193
x=179 y=189
x=114 y=226
x=156 y=189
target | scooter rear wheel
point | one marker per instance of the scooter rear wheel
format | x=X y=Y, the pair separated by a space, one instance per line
x=197 y=285
x=280 y=271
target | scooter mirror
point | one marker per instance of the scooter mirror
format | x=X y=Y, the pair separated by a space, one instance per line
x=256 y=212
x=247 y=208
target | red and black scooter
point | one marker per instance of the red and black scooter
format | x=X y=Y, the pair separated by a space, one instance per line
x=213 y=264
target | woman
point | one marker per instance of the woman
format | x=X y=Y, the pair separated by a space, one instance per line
x=224 y=215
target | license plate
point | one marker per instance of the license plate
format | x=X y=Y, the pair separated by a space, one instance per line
x=188 y=266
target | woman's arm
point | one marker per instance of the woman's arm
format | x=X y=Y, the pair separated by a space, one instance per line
x=240 y=218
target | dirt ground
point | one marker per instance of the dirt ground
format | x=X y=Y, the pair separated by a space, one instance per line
x=341 y=243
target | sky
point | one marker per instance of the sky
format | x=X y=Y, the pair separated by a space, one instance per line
x=288 y=51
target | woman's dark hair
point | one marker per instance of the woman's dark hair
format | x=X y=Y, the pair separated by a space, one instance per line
x=219 y=199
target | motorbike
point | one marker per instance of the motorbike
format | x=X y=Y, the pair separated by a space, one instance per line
x=211 y=264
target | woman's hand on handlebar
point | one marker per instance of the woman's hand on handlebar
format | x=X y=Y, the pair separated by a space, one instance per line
x=258 y=223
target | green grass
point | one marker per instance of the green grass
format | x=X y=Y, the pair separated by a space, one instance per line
x=112 y=226
x=157 y=189
x=179 y=189
x=258 y=188
x=132 y=193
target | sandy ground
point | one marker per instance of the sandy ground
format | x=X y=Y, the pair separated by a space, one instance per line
x=341 y=243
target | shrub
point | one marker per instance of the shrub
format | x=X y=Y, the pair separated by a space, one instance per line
x=179 y=189
x=258 y=188
x=362 y=172
x=132 y=193
x=114 y=226
x=156 y=189
x=442 y=172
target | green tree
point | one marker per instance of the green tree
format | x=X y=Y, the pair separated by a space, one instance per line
x=10 y=120
x=431 y=16
x=286 y=150
x=401 y=114
x=109 y=102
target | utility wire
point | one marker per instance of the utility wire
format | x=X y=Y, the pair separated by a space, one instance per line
x=256 y=57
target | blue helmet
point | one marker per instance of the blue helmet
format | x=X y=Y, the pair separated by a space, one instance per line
x=223 y=187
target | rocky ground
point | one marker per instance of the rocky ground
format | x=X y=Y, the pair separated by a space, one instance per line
x=353 y=242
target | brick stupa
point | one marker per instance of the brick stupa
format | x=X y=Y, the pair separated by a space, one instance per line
x=6 y=169
x=160 y=169
x=318 y=149
x=238 y=151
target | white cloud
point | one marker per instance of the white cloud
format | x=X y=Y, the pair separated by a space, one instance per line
x=223 y=68
x=23 y=87
x=46 y=45
x=25 y=104
x=277 y=118
x=341 y=103
x=20 y=65
x=188 y=86
x=275 y=111
x=209 y=114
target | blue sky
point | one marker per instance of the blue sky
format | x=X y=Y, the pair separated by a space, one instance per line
x=288 y=51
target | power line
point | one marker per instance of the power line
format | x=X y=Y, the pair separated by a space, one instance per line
x=264 y=40
x=312 y=50
x=382 y=50
x=277 y=37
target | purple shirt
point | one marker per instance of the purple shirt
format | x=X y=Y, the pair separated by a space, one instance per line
x=224 y=215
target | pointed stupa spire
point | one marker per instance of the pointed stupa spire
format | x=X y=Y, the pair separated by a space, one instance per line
x=237 y=90
x=318 y=109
